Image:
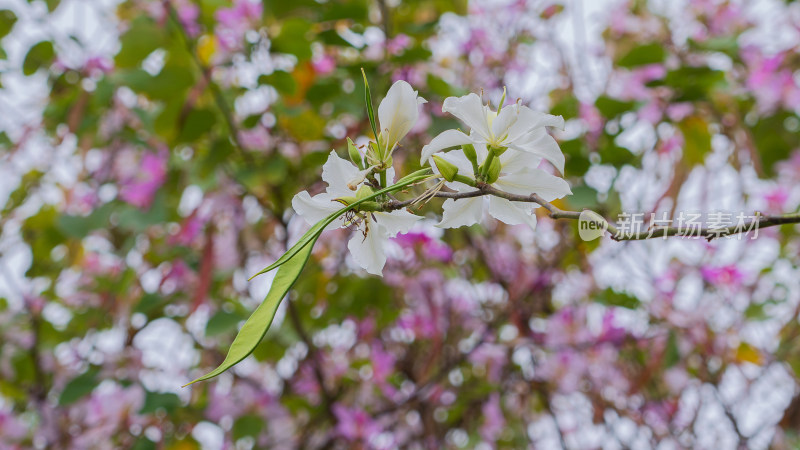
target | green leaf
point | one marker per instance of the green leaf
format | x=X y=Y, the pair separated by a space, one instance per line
x=78 y=387
x=247 y=425
x=697 y=140
x=293 y=39
x=644 y=54
x=442 y=88
x=613 y=298
x=148 y=303
x=40 y=55
x=7 y=21
x=611 y=108
x=672 y=354
x=222 y=322
x=773 y=141
x=52 y=4
x=153 y=401
x=259 y=322
x=577 y=157
x=282 y=81
x=80 y=226
x=368 y=99
x=692 y=83
x=583 y=197
x=141 y=39
x=198 y=122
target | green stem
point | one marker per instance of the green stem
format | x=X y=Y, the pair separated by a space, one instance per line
x=383 y=179
x=487 y=163
x=465 y=179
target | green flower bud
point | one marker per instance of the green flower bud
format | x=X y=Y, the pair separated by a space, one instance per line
x=498 y=150
x=494 y=171
x=346 y=200
x=447 y=169
x=472 y=156
x=369 y=206
x=355 y=156
x=373 y=155
x=364 y=192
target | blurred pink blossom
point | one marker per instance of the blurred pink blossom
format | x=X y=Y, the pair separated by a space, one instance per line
x=493 y=420
x=728 y=275
x=324 y=64
x=189 y=231
x=188 y=13
x=11 y=428
x=96 y=65
x=398 y=44
x=669 y=145
x=776 y=199
x=354 y=424
x=771 y=82
x=592 y=120
x=139 y=189
x=256 y=138
x=233 y=23
x=430 y=247
x=631 y=85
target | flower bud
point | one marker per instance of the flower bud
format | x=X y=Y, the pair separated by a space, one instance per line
x=355 y=156
x=346 y=200
x=447 y=169
x=373 y=155
x=364 y=192
x=494 y=171
x=498 y=150
x=472 y=156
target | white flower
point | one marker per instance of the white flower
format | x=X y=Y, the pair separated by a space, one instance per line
x=397 y=114
x=517 y=127
x=518 y=175
x=374 y=228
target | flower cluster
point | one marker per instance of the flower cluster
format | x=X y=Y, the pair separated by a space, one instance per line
x=503 y=149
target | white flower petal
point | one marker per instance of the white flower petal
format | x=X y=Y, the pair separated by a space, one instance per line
x=470 y=110
x=368 y=251
x=445 y=139
x=538 y=142
x=461 y=213
x=514 y=161
x=395 y=222
x=530 y=120
x=314 y=209
x=398 y=112
x=337 y=172
x=481 y=150
x=534 y=181
x=501 y=124
x=512 y=213
x=390 y=176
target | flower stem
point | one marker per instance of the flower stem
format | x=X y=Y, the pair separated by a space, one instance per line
x=383 y=178
x=465 y=179
x=487 y=163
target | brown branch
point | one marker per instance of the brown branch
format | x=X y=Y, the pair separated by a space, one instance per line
x=758 y=221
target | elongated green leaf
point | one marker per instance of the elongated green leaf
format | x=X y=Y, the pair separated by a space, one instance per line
x=289 y=270
x=259 y=322
x=39 y=56
x=313 y=233
x=368 y=99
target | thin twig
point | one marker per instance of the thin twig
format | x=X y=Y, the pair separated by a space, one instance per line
x=757 y=221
